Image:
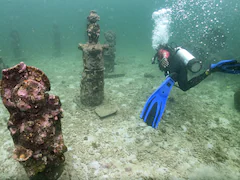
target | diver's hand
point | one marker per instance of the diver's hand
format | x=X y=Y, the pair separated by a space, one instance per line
x=164 y=63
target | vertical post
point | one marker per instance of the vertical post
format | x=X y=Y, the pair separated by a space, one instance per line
x=57 y=46
x=16 y=44
x=237 y=100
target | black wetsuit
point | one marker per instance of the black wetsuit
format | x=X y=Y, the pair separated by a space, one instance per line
x=178 y=72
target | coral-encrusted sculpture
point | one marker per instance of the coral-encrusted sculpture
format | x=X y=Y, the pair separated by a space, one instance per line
x=57 y=45
x=92 y=83
x=109 y=54
x=16 y=44
x=34 y=121
x=237 y=100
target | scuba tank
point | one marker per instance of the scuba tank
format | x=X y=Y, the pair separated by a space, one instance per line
x=188 y=59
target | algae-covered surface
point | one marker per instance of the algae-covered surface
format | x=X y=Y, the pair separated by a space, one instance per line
x=197 y=138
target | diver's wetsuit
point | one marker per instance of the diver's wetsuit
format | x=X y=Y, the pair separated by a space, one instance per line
x=178 y=72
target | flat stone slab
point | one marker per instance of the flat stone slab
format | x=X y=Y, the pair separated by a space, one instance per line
x=106 y=110
x=148 y=75
x=113 y=75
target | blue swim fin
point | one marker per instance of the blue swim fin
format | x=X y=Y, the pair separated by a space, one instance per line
x=154 y=107
x=226 y=66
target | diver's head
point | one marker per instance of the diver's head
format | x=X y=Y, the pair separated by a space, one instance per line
x=162 y=53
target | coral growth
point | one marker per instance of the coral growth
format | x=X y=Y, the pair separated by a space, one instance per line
x=93 y=29
x=34 y=121
x=22 y=154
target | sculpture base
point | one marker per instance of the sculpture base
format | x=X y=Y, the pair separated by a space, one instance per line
x=51 y=173
x=92 y=87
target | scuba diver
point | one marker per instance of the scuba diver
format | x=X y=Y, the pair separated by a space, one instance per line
x=176 y=62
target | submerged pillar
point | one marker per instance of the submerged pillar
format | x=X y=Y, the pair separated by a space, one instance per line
x=237 y=100
x=92 y=82
x=56 y=40
x=16 y=44
x=109 y=54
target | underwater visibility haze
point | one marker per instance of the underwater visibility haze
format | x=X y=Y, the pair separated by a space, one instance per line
x=93 y=57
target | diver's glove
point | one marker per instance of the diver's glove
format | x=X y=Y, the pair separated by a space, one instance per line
x=164 y=62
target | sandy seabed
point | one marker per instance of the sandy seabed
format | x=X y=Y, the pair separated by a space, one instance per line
x=198 y=137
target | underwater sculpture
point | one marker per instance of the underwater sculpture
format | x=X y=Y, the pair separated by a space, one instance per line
x=237 y=100
x=109 y=54
x=92 y=82
x=15 y=44
x=35 y=120
x=56 y=40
